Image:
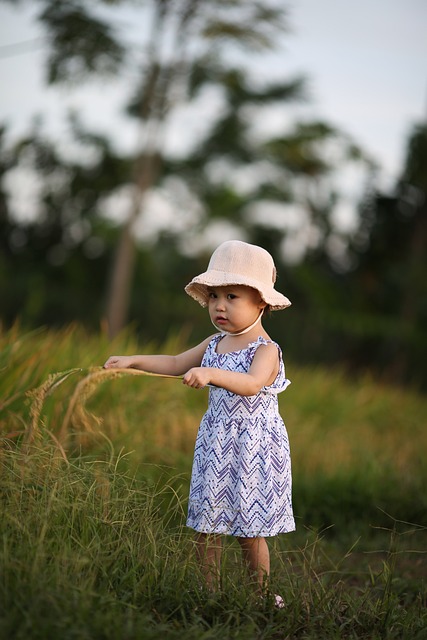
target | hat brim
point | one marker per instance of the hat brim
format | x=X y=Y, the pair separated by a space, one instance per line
x=198 y=288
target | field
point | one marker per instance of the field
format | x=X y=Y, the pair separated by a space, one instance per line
x=95 y=471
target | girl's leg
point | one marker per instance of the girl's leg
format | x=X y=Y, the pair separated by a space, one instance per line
x=257 y=556
x=208 y=551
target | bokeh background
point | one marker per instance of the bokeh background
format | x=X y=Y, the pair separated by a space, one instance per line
x=136 y=136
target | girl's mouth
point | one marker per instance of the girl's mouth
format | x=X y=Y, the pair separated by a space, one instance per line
x=220 y=320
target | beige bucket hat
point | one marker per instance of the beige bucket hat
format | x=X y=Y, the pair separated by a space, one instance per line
x=236 y=262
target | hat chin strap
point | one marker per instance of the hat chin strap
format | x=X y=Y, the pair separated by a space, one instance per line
x=240 y=333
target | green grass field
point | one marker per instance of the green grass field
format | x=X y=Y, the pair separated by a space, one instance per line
x=94 y=479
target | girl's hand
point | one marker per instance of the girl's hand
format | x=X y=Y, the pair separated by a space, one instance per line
x=118 y=362
x=197 y=377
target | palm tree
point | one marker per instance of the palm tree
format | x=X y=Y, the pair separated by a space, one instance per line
x=183 y=36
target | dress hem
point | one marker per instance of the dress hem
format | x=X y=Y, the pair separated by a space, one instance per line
x=258 y=534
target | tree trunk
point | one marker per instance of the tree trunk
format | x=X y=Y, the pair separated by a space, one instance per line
x=147 y=169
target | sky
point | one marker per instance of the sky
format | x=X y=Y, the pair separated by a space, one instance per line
x=368 y=65
x=365 y=61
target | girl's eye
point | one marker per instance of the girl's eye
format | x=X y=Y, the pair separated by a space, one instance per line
x=212 y=294
x=231 y=296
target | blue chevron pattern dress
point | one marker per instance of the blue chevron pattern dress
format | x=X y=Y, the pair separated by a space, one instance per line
x=241 y=479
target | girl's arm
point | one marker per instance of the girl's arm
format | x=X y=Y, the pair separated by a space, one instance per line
x=169 y=365
x=263 y=371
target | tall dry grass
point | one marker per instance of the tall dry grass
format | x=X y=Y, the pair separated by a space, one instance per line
x=94 y=478
x=354 y=442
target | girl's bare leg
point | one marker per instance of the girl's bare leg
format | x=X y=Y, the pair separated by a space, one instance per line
x=257 y=557
x=208 y=551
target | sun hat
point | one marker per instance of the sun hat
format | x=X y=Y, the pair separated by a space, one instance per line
x=236 y=262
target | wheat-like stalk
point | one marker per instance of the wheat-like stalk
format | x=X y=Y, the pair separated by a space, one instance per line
x=37 y=398
x=76 y=411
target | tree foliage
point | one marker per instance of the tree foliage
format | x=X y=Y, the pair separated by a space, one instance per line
x=390 y=280
x=80 y=43
x=188 y=45
x=358 y=298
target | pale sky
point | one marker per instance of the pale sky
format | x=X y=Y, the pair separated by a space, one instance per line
x=366 y=62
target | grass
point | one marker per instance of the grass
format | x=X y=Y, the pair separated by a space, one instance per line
x=93 y=489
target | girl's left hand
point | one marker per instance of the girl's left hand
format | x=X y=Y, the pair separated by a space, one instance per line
x=197 y=377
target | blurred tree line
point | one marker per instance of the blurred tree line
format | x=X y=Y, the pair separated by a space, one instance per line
x=359 y=297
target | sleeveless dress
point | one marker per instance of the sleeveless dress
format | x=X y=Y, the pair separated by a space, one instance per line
x=241 y=478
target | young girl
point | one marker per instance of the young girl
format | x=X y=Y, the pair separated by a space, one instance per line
x=241 y=477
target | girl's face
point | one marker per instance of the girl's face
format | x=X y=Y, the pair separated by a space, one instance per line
x=234 y=307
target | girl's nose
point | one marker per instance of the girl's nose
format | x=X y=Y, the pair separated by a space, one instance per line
x=219 y=304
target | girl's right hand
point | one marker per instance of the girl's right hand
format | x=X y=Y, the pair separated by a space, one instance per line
x=118 y=362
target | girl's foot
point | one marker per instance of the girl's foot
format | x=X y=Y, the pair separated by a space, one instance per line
x=279 y=603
